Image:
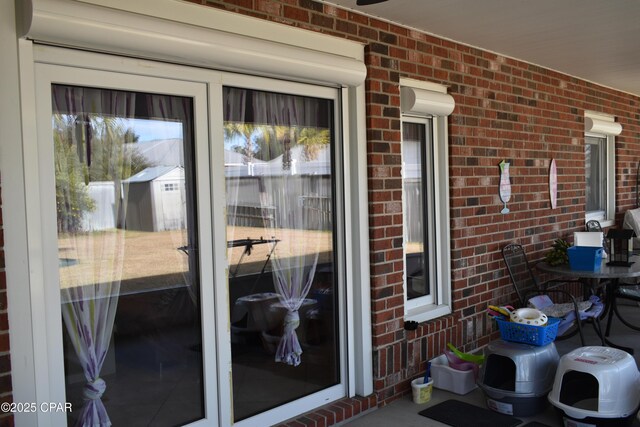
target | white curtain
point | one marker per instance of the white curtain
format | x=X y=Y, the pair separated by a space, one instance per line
x=296 y=256
x=94 y=142
x=85 y=131
x=284 y=141
x=179 y=109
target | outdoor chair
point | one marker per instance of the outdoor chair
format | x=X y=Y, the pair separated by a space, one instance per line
x=593 y=225
x=527 y=287
x=627 y=291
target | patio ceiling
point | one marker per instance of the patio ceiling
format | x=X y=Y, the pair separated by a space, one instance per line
x=594 y=40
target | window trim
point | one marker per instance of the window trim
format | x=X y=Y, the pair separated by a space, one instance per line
x=598 y=125
x=436 y=107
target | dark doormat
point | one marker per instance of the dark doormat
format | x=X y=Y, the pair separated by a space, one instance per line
x=536 y=424
x=461 y=414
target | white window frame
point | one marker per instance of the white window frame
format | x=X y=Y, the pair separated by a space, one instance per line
x=189 y=34
x=170 y=82
x=433 y=102
x=332 y=393
x=603 y=126
x=429 y=226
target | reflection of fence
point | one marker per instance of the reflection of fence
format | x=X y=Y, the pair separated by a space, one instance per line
x=249 y=216
x=319 y=210
x=312 y=193
x=414 y=220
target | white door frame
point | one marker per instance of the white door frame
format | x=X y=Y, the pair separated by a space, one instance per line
x=51 y=343
x=49 y=373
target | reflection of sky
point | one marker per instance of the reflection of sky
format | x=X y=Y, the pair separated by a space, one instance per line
x=150 y=130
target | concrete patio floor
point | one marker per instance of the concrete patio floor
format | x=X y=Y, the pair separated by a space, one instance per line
x=404 y=413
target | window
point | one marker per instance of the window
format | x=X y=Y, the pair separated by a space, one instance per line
x=417 y=194
x=284 y=282
x=599 y=167
x=595 y=168
x=427 y=278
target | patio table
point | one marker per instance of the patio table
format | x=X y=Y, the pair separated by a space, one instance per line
x=590 y=278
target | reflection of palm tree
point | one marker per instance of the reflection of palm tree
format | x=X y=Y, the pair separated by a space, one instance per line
x=277 y=140
x=244 y=131
x=267 y=142
x=313 y=140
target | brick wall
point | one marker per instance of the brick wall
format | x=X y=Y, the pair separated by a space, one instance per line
x=5 y=362
x=505 y=109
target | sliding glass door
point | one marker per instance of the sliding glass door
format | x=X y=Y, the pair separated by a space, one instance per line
x=192 y=230
x=129 y=283
x=283 y=292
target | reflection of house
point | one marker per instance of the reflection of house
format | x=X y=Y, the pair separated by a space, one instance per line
x=156 y=199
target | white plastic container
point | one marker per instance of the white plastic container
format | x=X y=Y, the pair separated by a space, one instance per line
x=446 y=378
x=597 y=386
x=421 y=391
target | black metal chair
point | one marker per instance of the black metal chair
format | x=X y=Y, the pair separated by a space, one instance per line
x=526 y=285
x=593 y=225
x=626 y=292
x=623 y=294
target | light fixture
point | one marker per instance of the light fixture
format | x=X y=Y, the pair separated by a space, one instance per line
x=368 y=2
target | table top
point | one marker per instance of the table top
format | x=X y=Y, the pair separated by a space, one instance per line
x=605 y=271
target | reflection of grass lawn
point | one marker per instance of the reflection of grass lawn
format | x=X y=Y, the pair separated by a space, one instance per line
x=413 y=247
x=154 y=256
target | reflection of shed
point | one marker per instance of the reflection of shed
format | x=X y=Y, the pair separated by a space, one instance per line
x=156 y=199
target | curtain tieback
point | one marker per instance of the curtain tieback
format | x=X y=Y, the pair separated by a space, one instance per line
x=94 y=390
x=291 y=321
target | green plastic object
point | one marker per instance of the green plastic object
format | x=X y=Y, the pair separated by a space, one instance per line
x=468 y=357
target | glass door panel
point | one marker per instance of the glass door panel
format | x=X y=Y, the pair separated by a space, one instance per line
x=283 y=295
x=127 y=248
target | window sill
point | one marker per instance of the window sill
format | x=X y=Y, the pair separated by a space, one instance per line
x=427 y=312
x=607 y=223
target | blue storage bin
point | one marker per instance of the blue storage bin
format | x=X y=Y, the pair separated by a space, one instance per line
x=586 y=258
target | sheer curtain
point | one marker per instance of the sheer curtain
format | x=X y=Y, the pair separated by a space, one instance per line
x=296 y=256
x=86 y=131
x=94 y=146
x=284 y=141
x=179 y=109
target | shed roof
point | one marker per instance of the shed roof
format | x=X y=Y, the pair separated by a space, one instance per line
x=150 y=174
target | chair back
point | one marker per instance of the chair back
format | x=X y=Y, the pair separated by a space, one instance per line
x=593 y=225
x=521 y=274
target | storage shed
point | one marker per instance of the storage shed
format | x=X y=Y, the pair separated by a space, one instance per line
x=156 y=199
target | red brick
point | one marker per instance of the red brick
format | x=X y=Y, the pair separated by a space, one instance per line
x=296 y=14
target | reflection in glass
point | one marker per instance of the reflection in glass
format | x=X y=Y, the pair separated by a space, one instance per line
x=129 y=280
x=414 y=194
x=595 y=173
x=282 y=274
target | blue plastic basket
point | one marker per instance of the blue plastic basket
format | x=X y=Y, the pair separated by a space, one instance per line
x=585 y=258
x=529 y=334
